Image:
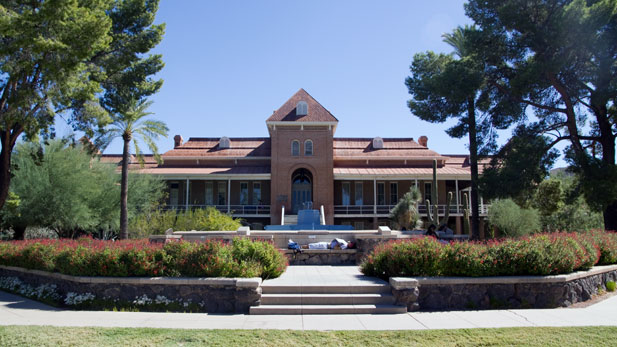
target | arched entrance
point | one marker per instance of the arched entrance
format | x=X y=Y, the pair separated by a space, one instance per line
x=301 y=190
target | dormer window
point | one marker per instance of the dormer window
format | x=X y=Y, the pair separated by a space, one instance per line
x=308 y=147
x=295 y=148
x=377 y=143
x=301 y=108
x=224 y=143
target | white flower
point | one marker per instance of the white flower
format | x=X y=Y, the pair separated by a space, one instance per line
x=43 y=291
x=142 y=300
x=160 y=299
x=76 y=299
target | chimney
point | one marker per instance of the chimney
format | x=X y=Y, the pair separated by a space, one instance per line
x=423 y=141
x=178 y=141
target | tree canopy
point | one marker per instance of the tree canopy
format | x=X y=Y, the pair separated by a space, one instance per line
x=80 y=59
x=443 y=86
x=559 y=58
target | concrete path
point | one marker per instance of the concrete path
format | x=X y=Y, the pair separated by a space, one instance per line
x=15 y=310
x=323 y=275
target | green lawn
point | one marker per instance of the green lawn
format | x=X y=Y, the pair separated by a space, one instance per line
x=53 y=336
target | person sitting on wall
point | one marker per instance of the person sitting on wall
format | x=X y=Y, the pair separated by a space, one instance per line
x=431 y=231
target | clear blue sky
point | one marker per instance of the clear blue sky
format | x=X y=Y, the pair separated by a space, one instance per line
x=229 y=64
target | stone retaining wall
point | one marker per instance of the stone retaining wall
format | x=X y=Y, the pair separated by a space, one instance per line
x=463 y=293
x=214 y=295
x=321 y=256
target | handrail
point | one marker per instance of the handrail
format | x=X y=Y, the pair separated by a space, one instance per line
x=385 y=209
x=283 y=215
x=257 y=210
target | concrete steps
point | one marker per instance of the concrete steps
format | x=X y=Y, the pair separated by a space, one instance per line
x=291 y=219
x=370 y=298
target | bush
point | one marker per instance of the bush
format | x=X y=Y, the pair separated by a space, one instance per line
x=543 y=254
x=610 y=286
x=607 y=246
x=156 y=222
x=511 y=220
x=400 y=258
x=88 y=257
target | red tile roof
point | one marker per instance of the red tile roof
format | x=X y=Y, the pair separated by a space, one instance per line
x=316 y=112
x=116 y=159
x=397 y=171
x=238 y=170
x=209 y=148
x=392 y=147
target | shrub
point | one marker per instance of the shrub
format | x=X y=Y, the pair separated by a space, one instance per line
x=607 y=245
x=512 y=220
x=542 y=254
x=419 y=257
x=610 y=286
x=88 y=257
x=156 y=222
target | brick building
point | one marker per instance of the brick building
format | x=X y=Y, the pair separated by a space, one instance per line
x=302 y=165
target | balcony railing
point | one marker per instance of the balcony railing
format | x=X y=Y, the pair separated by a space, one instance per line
x=236 y=210
x=385 y=209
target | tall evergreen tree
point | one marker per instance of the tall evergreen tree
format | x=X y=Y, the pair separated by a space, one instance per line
x=453 y=86
x=57 y=56
x=560 y=59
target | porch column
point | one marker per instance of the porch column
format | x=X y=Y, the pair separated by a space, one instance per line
x=374 y=195
x=416 y=182
x=187 y=194
x=457 y=202
x=481 y=205
x=228 y=195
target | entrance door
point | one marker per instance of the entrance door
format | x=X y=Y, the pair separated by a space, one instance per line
x=301 y=190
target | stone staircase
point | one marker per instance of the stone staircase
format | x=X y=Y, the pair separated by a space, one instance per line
x=366 y=298
x=291 y=219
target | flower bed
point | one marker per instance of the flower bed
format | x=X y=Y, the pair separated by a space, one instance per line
x=88 y=257
x=543 y=254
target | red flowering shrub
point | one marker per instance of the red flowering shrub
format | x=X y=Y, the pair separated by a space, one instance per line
x=418 y=257
x=542 y=254
x=88 y=257
x=466 y=259
x=607 y=245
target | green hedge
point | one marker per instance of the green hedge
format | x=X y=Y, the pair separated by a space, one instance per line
x=88 y=257
x=543 y=254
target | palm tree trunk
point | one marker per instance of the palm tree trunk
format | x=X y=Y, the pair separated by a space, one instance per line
x=473 y=162
x=124 y=189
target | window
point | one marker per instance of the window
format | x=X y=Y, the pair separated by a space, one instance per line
x=346 y=195
x=295 y=148
x=358 y=194
x=381 y=193
x=377 y=143
x=173 y=193
x=221 y=193
x=308 y=147
x=256 y=193
x=301 y=108
x=244 y=193
x=209 y=194
x=427 y=192
x=224 y=142
x=393 y=193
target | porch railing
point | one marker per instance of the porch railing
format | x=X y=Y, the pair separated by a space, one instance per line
x=244 y=210
x=385 y=209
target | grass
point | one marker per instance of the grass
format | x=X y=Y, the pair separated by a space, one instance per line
x=68 y=336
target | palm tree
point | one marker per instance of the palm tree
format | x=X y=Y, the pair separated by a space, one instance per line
x=131 y=126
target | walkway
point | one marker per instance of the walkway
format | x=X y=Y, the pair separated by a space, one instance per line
x=15 y=310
